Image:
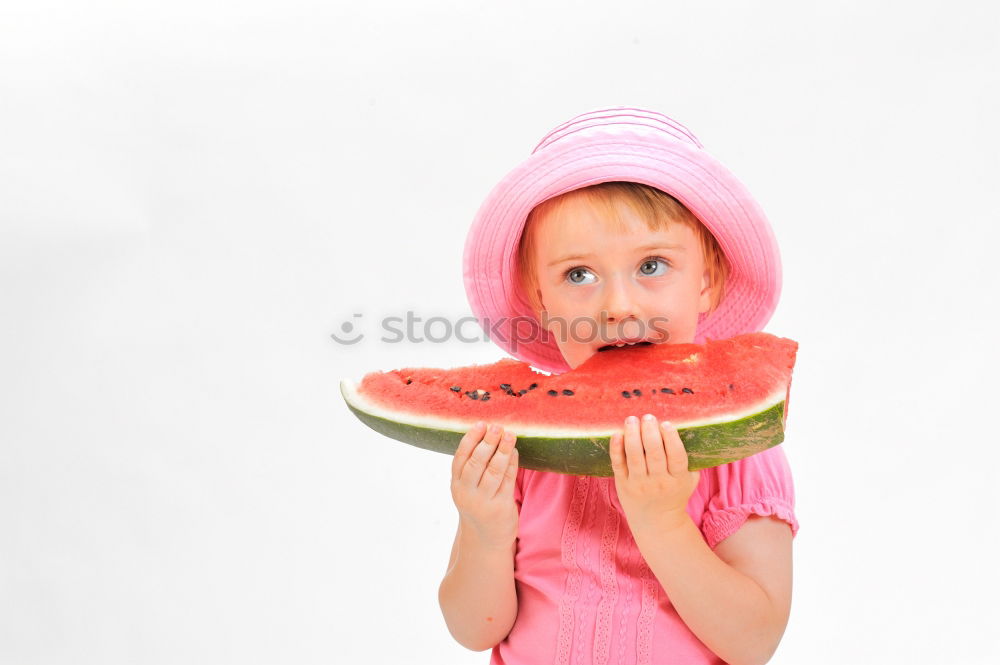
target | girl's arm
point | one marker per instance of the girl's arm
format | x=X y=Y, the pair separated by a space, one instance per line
x=477 y=595
x=736 y=599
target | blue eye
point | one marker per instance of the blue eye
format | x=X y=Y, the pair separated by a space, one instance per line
x=652 y=261
x=572 y=271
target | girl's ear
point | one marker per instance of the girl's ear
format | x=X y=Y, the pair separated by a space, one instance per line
x=705 y=297
x=541 y=312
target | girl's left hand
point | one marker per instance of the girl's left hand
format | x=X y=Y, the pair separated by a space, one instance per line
x=651 y=472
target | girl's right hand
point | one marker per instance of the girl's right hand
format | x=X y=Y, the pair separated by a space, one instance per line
x=482 y=484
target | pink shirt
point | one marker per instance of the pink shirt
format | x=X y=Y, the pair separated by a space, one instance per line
x=585 y=594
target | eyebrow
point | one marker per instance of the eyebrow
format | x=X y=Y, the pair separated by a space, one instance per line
x=647 y=248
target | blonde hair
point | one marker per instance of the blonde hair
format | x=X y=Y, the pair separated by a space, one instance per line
x=657 y=208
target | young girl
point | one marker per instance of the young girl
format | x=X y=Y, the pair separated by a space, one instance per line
x=619 y=220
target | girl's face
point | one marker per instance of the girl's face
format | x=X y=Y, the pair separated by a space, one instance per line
x=599 y=286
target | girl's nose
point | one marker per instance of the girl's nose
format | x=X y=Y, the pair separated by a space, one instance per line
x=619 y=301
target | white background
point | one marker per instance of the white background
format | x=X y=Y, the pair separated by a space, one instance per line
x=194 y=195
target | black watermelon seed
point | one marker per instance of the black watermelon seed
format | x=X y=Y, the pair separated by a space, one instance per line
x=486 y=397
x=521 y=392
x=457 y=389
x=567 y=392
x=667 y=390
x=637 y=392
x=409 y=381
x=687 y=390
x=626 y=393
x=473 y=395
x=504 y=386
x=532 y=386
x=553 y=393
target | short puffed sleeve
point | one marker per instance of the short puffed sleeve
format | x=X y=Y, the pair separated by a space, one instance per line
x=760 y=484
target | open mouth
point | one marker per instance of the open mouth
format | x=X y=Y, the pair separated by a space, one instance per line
x=613 y=347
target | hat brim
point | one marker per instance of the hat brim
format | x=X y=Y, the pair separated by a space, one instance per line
x=686 y=172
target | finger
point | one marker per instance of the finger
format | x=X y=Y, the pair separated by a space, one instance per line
x=635 y=456
x=465 y=448
x=677 y=459
x=496 y=468
x=509 y=477
x=652 y=443
x=473 y=470
x=616 y=449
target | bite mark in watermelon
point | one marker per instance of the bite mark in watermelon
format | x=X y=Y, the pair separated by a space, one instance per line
x=727 y=398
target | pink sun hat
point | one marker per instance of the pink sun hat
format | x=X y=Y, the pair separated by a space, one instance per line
x=618 y=144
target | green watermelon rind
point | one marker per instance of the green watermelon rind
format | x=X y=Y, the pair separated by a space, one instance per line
x=707 y=445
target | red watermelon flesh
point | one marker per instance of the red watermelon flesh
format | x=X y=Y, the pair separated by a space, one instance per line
x=728 y=398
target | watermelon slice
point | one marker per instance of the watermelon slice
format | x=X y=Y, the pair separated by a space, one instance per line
x=727 y=398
